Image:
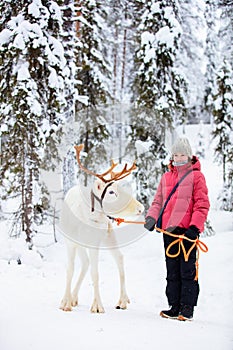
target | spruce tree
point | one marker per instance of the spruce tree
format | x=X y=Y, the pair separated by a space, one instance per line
x=69 y=41
x=158 y=88
x=190 y=57
x=223 y=129
x=32 y=63
x=94 y=74
x=223 y=104
x=226 y=29
x=212 y=54
x=157 y=84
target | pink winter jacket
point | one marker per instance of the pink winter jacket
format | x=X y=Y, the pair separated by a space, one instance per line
x=189 y=205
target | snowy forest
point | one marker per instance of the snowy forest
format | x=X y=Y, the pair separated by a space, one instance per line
x=114 y=75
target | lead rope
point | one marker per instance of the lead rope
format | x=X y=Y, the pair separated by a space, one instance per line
x=196 y=242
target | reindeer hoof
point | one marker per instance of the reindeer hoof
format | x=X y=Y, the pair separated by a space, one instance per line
x=122 y=304
x=66 y=305
x=97 y=308
x=65 y=308
x=97 y=311
x=121 y=307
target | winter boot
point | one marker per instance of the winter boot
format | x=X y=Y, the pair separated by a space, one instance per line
x=186 y=313
x=172 y=313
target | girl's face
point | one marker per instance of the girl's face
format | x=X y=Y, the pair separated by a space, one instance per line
x=180 y=158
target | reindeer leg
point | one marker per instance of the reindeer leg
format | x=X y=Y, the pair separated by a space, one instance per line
x=117 y=255
x=97 y=306
x=66 y=303
x=83 y=257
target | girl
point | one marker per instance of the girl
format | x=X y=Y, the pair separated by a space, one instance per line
x=184 y=214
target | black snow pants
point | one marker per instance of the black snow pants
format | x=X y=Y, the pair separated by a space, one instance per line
x=182 y=288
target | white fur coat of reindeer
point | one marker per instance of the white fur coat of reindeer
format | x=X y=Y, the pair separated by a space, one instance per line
x=86 y=225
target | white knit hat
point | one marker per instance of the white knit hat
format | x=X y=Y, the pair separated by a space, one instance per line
x=182 y=145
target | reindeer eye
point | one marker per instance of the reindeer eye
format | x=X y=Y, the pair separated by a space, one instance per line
x=111 y=192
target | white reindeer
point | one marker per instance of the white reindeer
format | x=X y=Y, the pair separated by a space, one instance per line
x=85 y=223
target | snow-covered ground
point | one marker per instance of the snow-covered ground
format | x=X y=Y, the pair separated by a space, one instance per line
x=30 y=318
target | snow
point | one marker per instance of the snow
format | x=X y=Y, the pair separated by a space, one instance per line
x=164 y=35
x=5 y=36
x=22 y=71
x=155 y=7
x=143 y=146
x=30 y=318
x=34 y=9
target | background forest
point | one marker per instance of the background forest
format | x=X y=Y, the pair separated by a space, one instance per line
x=119 y=76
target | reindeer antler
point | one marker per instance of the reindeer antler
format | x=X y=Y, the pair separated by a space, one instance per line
x=114 y=176
x=78 y=149
x=123 y=173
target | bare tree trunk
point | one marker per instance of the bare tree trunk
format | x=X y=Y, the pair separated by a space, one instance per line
x=28 y=213
x=115 y=61
x=70 y=30
x=78 y=13
x=23 y=192
x=122 y=82
x=124 y=56
x=27 y=187
x=224 y=169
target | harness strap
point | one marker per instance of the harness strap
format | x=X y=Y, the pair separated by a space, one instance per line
x=100 y=200
x=159 y=221
x=93 y=197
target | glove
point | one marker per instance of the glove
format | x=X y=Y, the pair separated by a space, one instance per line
x=192 y=232
x=150 y=223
